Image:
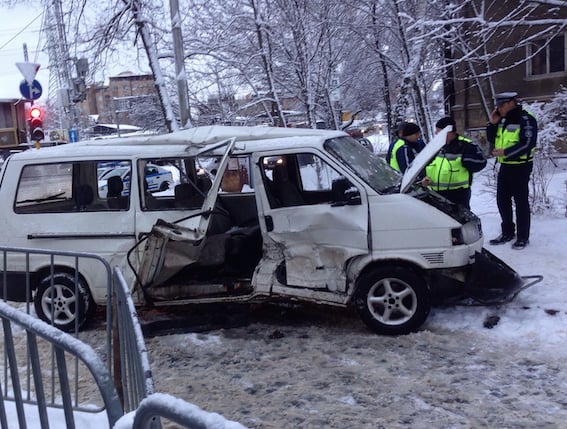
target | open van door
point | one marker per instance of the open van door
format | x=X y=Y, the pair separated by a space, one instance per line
x=172 y=246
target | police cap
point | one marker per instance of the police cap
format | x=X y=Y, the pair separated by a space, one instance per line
x=504 y=97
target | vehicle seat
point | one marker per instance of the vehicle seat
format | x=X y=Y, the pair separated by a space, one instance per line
x=204 y=183
x=84 y=196
x=114 y=196
x=150 y=201
x=186 y=196
x=285 y=191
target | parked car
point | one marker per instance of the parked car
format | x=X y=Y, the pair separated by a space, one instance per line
x=366 y=143
x=330 y=225
x=272 y=161
x=157 y=179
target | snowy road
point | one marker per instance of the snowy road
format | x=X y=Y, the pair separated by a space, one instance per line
x=301 y=370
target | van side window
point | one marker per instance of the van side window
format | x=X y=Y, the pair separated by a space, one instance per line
x=237 y=176
x=299 y=179
x=113 y=183
x=45 y=188
x=73 y=187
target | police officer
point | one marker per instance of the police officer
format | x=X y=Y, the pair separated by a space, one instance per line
x=451 y=171
x=402 y=152
x=513 y=132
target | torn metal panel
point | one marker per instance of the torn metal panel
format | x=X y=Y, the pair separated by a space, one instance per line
x=169 y=249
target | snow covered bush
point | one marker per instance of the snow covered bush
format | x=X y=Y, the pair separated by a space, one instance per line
x=552 y=133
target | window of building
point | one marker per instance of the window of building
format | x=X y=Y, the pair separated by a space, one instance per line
x=547 y=56
x=6 y=119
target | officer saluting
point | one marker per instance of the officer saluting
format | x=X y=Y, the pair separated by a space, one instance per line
x=513 y=132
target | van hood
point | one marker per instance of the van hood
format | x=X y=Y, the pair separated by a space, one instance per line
x=423 y=158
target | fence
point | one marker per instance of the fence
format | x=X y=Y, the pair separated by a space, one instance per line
x=48 y=369
x=58 y=393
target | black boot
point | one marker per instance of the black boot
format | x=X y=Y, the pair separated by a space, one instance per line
x=520 y=244
x=503 y=238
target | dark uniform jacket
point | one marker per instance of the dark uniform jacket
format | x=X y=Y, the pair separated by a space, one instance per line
x=522 y=151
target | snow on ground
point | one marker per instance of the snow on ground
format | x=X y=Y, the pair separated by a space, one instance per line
x=538 y=316
x=380 y=143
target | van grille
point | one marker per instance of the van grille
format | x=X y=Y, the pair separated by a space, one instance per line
x=434 y=258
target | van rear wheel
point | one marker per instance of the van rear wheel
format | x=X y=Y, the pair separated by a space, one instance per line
x=61 y=303
x=392 y=300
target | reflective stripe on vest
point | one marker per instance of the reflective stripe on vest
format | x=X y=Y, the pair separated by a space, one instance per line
x=393 y=160
x=447 y=172
x=508 y=137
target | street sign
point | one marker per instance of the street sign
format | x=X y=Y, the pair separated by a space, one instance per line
x=29 y=70
x=30 y=92
x=73 y=135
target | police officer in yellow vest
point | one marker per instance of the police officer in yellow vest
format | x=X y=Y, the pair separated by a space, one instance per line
x=513 y=132
x=451 y=171
x=402 y=151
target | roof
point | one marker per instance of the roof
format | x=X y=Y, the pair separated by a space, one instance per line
x=187 y=142
x=115 y=126
x=216 y=133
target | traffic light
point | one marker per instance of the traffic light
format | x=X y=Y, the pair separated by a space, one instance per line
x=36 y=124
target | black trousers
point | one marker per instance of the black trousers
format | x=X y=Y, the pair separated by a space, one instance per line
x=513 y=180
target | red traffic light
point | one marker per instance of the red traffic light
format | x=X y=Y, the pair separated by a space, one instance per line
x=36 y=124
x=35 y=112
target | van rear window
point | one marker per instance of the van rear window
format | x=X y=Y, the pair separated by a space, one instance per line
x=45 y=187
x=71 y=187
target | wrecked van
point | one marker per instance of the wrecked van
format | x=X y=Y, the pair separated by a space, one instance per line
x=255 y=214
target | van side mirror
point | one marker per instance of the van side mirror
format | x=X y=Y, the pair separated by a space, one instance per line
x=344 y=193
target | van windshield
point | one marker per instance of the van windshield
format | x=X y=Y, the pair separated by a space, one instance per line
x=372 y=169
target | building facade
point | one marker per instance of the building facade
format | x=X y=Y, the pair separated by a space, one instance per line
x=116 y=102
x=530 y=59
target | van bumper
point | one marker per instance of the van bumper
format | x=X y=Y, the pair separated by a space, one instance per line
x=486 y=281
x=13 y=286
x=491 y=280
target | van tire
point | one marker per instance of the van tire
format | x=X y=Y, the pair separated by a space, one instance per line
x=392 y=300
x=67 y=303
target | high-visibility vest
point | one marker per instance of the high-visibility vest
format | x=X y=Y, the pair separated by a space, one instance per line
x=508 y=137
x=393 y=160
x=447 y=172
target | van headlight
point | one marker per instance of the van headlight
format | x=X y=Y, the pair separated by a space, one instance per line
x=468 y=233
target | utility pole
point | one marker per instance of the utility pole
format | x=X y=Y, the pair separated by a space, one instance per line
x=60 y=76
x=179 y=55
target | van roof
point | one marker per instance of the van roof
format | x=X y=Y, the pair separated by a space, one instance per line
x=202 y=136
x=188 y=142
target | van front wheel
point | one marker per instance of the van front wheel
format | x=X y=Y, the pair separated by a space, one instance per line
x=392 y=300
x=61 y=303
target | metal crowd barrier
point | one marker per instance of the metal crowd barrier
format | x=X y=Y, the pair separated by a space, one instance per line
x=132 y=370
x=76 y=380
x=54 y=389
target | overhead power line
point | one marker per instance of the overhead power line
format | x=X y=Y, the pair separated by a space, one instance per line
x=21 y=31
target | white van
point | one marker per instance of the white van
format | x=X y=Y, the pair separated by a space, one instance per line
x=253 y=214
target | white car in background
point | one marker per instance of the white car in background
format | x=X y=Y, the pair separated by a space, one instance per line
x=158 y=179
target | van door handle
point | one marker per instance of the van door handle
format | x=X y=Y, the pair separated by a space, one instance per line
x=269 y=223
